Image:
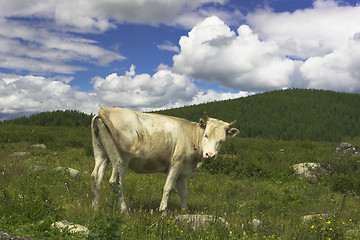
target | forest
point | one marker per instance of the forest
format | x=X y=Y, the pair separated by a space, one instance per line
x=292 y=114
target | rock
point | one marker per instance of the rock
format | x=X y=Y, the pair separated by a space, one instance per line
x=8 y=236
x=310 y=217
x=198 y=220
x=19 y=154
x=347 y=149
x=42 y=146
x=309 y=171
x=71 y=171
x=71 y=227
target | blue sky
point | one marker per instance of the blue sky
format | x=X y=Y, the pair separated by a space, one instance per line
x=146 y=55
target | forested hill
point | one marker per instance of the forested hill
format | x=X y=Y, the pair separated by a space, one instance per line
x=67 y=118
x=286 y=114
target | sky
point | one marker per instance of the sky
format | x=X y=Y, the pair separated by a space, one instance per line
x=156 y=54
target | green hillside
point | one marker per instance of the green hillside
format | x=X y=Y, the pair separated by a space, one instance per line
x=286 y=114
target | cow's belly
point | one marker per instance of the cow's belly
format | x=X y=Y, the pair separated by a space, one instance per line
x=149 y=165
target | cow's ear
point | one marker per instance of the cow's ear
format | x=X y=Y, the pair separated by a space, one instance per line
x=202 y=123
x=232 y=132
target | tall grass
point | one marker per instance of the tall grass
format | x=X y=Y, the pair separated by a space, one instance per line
x=251 y=179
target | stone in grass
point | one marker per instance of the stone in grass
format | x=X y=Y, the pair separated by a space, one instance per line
x=198 y=220
x=310 y=217
x=309 y=171
x=42 y=146
x=70 y=227
x=71 y=171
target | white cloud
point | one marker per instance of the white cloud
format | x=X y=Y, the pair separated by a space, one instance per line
x=100 y=15
x=36 y=94
x=324 y=36
x=165 y=89
x=41 y=50
x=316 y=47
x=212 y=52
x=308 y=32
x=143 y=92
x=338 y=70
x=168 y=46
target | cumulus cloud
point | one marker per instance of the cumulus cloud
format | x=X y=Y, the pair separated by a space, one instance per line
x=144 y=92
x=324 y=37
x=32 y=94
x=213 y=52
x=308 y=32
x=338 y=70
x=165 y=89
x=316 y=47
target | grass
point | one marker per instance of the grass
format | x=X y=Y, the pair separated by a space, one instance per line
x=252 y=179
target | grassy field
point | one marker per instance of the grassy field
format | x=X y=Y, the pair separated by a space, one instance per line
x=252 y=179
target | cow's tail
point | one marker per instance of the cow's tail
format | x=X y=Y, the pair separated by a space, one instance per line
x=116 y=136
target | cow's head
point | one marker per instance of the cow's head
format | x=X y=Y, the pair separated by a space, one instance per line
x=215 y=133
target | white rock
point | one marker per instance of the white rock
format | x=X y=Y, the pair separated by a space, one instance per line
x=70 y=227
x=197 y=220
x=71 y=171
x=310 y=171
x=38 y=146
x=310 y=217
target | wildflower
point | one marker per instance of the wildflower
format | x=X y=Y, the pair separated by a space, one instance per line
x=328 y=222
x=331 y=229
x=312 y=226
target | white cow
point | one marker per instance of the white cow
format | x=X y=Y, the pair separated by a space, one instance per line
x=148 y=143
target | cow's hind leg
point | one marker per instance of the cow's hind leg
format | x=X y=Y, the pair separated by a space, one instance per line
x=116 y=182
x=119 y=164
x=101 y=162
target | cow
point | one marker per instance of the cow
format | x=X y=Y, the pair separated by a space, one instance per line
x=148 y=142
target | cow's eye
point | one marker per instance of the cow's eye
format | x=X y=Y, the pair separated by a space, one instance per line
x=205 y=135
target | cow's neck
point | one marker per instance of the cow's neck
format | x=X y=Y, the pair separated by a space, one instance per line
x=197 y=138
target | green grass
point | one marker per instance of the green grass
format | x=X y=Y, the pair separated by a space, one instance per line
x=252 y=179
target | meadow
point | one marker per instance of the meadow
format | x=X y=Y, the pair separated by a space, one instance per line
x=251 y=179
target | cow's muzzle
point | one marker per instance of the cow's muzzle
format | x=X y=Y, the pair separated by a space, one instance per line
x=209 y=155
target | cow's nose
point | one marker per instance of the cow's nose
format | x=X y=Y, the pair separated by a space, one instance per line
x=209 y=155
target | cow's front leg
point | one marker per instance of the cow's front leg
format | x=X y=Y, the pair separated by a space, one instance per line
x=182 y=191
x=169 y=184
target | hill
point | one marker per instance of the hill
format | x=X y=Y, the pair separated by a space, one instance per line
x=300 y=114
x=293 y=114
x=67 y=118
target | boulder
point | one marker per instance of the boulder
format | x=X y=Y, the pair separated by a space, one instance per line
x=71 y=171
x=70 y=227
x=198 y=220
x=309 y=171
x=42 y=146
x=347 y=149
